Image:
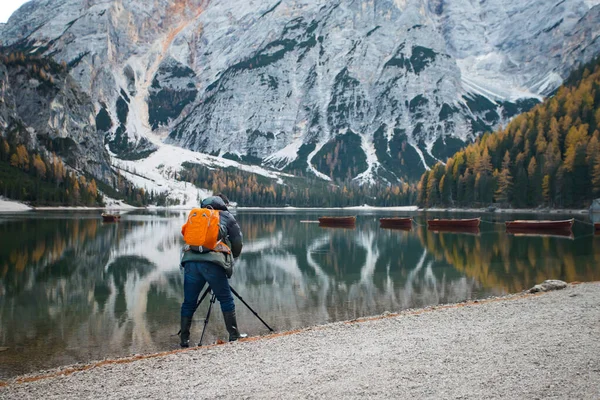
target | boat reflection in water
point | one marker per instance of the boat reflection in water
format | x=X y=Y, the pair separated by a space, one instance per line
x=334 y=226
x=459 y=230
x=556 y=233
x=74 y=289
x=397 y=228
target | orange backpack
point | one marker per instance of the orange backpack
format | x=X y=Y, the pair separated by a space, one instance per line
x=202 y=228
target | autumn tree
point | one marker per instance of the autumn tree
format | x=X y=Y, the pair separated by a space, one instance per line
x=505 y=181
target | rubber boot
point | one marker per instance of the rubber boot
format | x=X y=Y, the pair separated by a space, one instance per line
x=231 y=325
x=186 y=323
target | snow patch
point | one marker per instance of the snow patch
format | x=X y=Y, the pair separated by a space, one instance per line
x=420 y=153
x=481 y=75
x=114 y=204
x=549 y=82
x=7 y=206
x=309 y=162
x=429 y=148
x=158 y=172
x=368 y=147
x=285 y=155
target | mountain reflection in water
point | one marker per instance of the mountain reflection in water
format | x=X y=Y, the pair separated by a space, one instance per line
x=74 y=289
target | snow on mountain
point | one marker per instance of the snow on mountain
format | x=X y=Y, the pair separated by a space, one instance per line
x=365 y=90
x=158 y=172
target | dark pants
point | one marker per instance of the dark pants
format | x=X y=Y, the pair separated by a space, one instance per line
x=196 y=275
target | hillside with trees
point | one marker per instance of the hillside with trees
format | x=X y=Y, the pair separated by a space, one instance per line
x=49 y=152
x=549 y=156
x=251 y=190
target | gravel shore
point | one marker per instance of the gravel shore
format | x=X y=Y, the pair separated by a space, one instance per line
x=526 y=346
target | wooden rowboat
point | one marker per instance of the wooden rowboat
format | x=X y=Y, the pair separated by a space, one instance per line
x=110 y=217
x=453 y=223
x=395 y=222
x=337 y=221
x=563 y=225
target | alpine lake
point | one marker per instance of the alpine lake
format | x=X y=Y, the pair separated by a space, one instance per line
x=74 y=289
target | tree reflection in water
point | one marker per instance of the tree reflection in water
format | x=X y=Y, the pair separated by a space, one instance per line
x=74 y=289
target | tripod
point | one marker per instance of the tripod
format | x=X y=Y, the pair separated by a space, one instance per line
x=213 y=298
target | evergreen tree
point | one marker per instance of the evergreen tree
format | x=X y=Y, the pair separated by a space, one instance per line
x=554 y=149
x=422 y=189
x=535 y=183
x=521 y=188
x=445 y=191
x=432 y=190
x=505 y=181
x=547 y=190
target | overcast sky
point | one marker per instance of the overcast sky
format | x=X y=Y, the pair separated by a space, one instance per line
x=7 y=7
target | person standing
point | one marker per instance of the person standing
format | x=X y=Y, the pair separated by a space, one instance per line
x=214 y=266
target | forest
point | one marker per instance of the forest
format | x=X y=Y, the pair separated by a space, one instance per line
x=34 y=172
x=32 y=177
x=547 y=157
x=257 y=191
x=43 y=179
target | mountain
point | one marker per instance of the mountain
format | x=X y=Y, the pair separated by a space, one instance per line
x=42 y=106
x=548 y=156
x=375 y=90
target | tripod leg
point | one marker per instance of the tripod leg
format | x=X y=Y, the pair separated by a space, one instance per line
x=202 y=298
x=250 y=308
x=212 y=301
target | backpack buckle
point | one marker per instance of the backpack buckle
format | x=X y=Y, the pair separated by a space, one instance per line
x=199 y=249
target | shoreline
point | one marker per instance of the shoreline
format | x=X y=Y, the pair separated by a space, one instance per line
x=79 y=367
x=460 y=345
x=509 y=210
x=14 y=207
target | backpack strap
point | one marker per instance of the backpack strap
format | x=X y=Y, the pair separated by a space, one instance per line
x=222 y=247
x=198 y=249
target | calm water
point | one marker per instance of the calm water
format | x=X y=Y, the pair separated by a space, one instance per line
x=73 y=289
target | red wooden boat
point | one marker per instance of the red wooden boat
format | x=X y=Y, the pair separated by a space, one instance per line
x=453 y=223
x=110 y=217
x=337 y=221
x=566 y=224
x=597 y=226
x=395 y=222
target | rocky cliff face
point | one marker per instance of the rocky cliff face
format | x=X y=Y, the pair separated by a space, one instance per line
x=43 y=107
x=368 y=89
x=7 y=101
